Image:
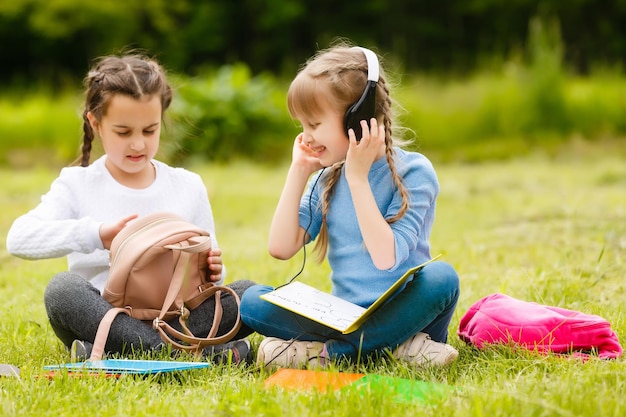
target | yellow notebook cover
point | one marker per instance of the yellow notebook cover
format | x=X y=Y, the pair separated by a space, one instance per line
x=328 y=309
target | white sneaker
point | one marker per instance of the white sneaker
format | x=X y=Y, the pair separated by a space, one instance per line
x=420 y=350
x=275 y=352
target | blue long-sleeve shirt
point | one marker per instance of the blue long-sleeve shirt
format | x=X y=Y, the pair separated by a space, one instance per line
x=354 y=276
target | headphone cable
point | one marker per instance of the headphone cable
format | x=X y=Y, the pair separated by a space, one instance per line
x=306 y=230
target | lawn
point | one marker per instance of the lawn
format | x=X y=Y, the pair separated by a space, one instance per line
x=550 y=230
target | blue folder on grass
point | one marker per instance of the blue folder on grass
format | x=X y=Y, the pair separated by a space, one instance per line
x=127 y=366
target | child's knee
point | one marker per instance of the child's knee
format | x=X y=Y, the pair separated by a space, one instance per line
x=444 y=273
x=241 y=286
x=251 y=301
x=59 y=285
x=443 y=277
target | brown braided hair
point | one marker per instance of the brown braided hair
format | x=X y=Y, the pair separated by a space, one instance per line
x=133 y=75
x=340 y=72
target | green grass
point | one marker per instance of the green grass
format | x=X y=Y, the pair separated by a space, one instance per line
x=550 y=230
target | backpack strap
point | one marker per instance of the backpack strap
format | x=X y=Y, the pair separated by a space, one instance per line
x=173 y=296
x=167 y=332
x=173 y=292
x=103 y=332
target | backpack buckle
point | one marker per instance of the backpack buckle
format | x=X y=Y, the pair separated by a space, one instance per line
x=203 y=287
x=155 y=323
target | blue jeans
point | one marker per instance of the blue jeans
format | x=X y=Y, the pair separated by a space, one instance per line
x=426 y=304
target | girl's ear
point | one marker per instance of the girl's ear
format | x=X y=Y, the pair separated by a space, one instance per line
x=95 y=124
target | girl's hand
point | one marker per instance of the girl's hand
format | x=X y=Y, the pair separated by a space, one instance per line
x=361 y=155
x=304 y=157
x=214 y=260
x=109 y=230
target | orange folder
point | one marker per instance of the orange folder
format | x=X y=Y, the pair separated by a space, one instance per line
x=306 y=379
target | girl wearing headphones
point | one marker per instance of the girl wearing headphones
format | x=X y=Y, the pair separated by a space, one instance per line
x=369 y=205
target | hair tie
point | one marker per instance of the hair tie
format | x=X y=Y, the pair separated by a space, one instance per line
x=96 y=76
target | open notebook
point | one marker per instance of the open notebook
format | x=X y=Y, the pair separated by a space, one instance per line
x=328 y=309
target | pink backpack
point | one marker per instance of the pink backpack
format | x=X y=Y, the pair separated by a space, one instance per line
x=500 y=319
x=158 y=273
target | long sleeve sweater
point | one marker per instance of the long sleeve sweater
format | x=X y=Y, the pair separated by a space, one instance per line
x=354 y=276
x=67 y=220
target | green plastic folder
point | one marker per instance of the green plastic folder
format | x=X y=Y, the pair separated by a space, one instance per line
x=401 y=390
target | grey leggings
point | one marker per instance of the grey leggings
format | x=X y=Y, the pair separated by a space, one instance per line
x=75 y=309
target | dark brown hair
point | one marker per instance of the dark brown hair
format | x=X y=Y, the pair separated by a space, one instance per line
x=132 y=75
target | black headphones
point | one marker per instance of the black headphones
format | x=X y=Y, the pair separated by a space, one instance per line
x=365 y=107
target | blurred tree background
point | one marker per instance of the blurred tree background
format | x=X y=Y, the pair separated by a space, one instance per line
x=55 y=39
x=518 y=71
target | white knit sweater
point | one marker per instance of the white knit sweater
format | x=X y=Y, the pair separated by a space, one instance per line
x=68 y=218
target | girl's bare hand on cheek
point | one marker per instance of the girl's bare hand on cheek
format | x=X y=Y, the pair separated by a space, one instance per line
x=362 y=154
x=109 y=230
x=214 y=260
x=304 y=156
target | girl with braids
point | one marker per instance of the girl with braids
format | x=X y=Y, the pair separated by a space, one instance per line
x=370 y=206
x=88 y=205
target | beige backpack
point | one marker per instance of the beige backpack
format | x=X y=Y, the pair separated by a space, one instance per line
x=159 y=272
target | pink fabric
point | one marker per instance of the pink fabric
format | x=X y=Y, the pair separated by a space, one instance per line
x=499 y=318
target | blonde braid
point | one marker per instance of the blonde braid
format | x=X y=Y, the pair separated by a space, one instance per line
x=321 y=243
x=389 y=154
